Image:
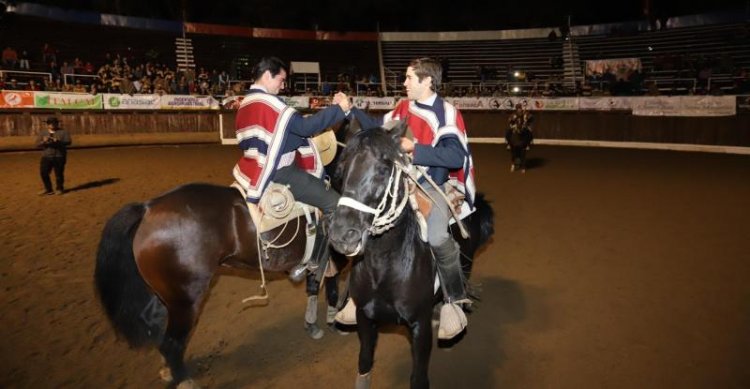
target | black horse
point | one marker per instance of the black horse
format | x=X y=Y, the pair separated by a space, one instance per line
x=518 y=139
x=392 y=280
x=156 y=260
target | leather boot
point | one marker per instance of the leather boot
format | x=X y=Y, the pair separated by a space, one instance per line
x=319 y=255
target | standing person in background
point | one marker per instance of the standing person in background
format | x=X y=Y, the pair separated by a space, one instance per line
x=54 y=143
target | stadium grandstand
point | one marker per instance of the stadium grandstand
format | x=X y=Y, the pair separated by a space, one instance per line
x=545 y=51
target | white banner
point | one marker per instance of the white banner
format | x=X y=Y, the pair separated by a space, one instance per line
x=188 y=102
x=685 y=106
x=116 y=101
x=469 y=103
x=376 y=103
x=604 y=103
x=556 y=104
x=707 y=106
x=297 y=101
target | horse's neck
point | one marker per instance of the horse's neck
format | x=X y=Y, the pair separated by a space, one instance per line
x=400 y=240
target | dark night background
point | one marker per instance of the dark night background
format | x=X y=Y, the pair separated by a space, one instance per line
x=399 y=15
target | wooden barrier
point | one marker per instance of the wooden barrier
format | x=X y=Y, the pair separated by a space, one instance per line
x=102 y=128
x=18 y=128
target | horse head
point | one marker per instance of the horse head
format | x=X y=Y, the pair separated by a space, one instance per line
x=372 y=187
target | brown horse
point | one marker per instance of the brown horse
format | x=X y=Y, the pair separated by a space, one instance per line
x=156 y=260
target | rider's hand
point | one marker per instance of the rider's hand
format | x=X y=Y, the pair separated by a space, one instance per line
x=343 y=101
x=407 y=145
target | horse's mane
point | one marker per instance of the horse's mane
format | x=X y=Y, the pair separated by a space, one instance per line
x=376 y=140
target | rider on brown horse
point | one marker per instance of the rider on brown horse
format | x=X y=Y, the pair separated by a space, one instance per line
x=275 y=142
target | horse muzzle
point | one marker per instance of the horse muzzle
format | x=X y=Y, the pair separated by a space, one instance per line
x=350 y=243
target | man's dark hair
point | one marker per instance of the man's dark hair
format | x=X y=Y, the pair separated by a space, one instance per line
x=424 y=67
x=272 y=64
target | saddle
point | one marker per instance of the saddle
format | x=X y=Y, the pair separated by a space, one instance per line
x=277 y=207
x=422 y=203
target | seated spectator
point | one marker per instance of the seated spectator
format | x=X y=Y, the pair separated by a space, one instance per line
x=33 y=86
x=66 y=68
x=13 y=85
x=49 y=53
x=79 y=87
x=23 y=60
x=10 y=58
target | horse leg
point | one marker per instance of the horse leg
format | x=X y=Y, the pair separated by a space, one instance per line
x=311 y=312
x=368 y=338
x=421 y=348
x=181 y=321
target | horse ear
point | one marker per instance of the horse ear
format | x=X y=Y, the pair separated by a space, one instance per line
x=396 y=129
x=349 y=127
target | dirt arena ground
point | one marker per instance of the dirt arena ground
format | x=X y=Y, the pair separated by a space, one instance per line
x=608 y=269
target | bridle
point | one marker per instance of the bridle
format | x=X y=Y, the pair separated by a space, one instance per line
x=387 y=212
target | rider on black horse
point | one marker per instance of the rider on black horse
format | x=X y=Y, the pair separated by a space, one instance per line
x=440 y=144
x=518 y=137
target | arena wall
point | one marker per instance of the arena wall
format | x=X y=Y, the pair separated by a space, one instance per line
x=18 y=129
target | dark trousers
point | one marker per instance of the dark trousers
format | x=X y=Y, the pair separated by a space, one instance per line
x=308 y=189
x=313 y=191
x=46 y=166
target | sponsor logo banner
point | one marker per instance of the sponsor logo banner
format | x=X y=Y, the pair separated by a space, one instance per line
x=375 y=103
x=743 y=103
x=604 y=103
x=188 y=102
x=67 y=100
x=297 y=101
x=115 y=101
x=17 y=99
x=558 y=104
x=685 y=106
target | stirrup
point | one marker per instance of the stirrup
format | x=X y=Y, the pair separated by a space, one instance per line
x=298 y=273
x=452 y=321
x=348 y=315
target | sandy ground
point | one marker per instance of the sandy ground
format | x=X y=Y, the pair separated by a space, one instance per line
x=609 y=269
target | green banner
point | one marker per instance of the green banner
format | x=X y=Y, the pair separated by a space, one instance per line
x=67 y=100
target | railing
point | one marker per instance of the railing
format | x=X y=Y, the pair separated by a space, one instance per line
x=27 y=75
x=74 y=76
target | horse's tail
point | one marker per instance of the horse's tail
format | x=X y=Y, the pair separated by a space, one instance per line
x=122 y=290
x=486 y=219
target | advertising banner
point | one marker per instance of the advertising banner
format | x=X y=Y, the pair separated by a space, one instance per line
x=117 y=101
x=684 y=106
x=188 y=102
x=17 y=99
x=604 y=103
x=297 y=101
x=375 y=103
x=743 y=103
x=67 y=100
x=556 y=104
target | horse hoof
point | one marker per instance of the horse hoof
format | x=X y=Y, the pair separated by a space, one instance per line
x=314 y=331
x=363 y=381
x=188 y=384
x=332 y=327
x=165 y=374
